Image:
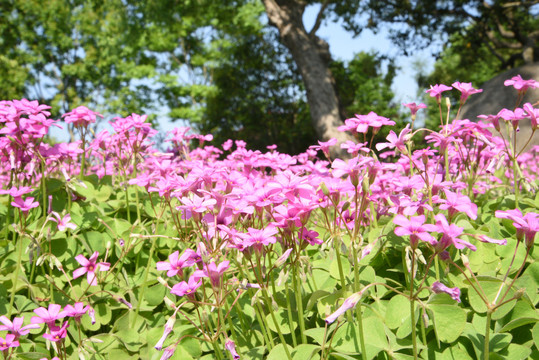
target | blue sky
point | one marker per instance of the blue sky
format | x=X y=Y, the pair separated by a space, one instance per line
x=343 y=46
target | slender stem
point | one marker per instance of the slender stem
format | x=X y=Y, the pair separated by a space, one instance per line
x=412 y=306
x=358 y=308
x=336 y=244
x=143 y=287
x=290 y=317
x=277 y=327
x=299 y=304
x=16 y=275
x=506 y=273
x=487 y=335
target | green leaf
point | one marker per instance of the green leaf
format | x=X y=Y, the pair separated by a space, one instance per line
x=306 y=352
x=282 y=321
x=398 y=308
x=449 y=321
x=317 y=334
x=278 y=352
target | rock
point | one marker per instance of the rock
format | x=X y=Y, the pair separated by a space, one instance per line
x=496 y=96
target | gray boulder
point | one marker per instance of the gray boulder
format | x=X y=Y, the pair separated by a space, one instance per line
x=496 y=96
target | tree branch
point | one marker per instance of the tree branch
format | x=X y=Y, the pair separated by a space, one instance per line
x=319 y=18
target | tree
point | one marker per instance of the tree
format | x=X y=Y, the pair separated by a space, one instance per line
x=66 y=53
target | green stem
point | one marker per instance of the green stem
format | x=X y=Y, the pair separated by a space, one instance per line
x=299 y=304
x=143 y=287
x=277 y=327
x=336 y=244
x=290 y=317
x=358 y=308
x=16 y=276
x=412 y=306
x=487 y=335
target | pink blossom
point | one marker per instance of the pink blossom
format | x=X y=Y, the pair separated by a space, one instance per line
x=76 y=310
x=25 y=205
x=168 y=328
x=57 y=333
x=231 y=347
x=187 y=288
x=81 y=116
x=415 y=108
x=89 y=267
x=176 y=263
x=396 y=142
x=310 y=236
x=466 y=90
x=48 y=316
x=212 y=271
x=437 y=90
x=438 y=287
x=9 y=342
x=415 y=228
x=533 y=114
x=520 y=84
x=458 y=203
x=348 y=304
x=63 y=222
x=527 y=225
x=169 y=351
x=16 y=327
x=450 y=235
x=513 y=116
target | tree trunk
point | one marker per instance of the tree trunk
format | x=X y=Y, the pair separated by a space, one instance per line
x=312 y=57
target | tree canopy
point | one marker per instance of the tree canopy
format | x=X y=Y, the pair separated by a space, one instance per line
x=221 y=67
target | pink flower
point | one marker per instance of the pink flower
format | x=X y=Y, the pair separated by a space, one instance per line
x=48 y=316
x=212 y=271
x=259 y=238
x=89 y=267
x=81 y=116
x=348 y=304
x=415 y=108
x=231 y=347
x=486 y=239
x=527 y=225
x=494 y=119
x=176 y=263
x=16 y=327
x=187 y=288
x=396 y=142
x=168 y=328
x=63 y=222
x=438 y=287
x=415 y=228
x=169 y=351
x=450 y=235
x=513 y=116
x=76 y=311
x=324 y=146
x=57 y=333
x=310 y=236
x=520 y=84
x=25 y=205
x=455 y=202
x=437 y=90
x=466 y=90
x=533 y=114
x=8 y=342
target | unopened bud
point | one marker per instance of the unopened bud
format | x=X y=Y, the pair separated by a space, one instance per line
x=324 y=189
x=282 y=259
x=465 y=260
x=519 y=293
x=345 y=206
x=169 y=303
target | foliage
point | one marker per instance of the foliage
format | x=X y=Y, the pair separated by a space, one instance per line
x=113 y=249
